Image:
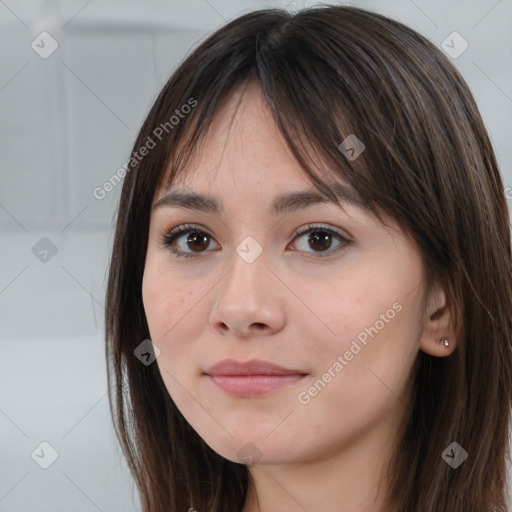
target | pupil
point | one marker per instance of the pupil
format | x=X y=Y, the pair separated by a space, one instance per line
x=194 y=238
x=323 y=240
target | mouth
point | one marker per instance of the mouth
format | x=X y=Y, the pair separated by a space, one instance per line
x=252 y=378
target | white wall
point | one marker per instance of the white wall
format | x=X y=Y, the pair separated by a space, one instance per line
x=67 y=124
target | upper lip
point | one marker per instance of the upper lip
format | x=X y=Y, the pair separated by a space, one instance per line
x=252 y=367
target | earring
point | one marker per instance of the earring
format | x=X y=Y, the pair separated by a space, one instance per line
x=445 y=341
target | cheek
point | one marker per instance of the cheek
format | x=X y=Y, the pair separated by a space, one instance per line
x=172 y=315
x=168 y=300
x=345 y=308
x=371 y=379
x=372 y=320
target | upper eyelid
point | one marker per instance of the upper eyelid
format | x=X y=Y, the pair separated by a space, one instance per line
x=311 y=225
x=185 y=228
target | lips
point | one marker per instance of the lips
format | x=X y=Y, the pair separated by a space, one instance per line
x=252 y=378
x=252 y=367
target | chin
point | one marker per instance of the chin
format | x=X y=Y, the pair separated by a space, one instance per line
x=252 y=450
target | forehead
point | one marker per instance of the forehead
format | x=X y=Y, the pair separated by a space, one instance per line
x=243 y=137
x=241 y=148
x=243 y=157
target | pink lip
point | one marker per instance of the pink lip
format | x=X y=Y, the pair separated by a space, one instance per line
x=252 y=378
x=252 y=367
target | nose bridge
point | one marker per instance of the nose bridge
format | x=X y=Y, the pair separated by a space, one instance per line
x=247 y=297
x=246 y=277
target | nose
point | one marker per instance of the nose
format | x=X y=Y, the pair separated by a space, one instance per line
x=249 y=300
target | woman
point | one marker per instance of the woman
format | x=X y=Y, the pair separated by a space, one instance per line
x=309 y=300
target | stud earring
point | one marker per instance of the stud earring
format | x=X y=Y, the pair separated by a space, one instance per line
x=445 y=341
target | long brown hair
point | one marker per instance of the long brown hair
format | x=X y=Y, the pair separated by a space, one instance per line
x=328 y=72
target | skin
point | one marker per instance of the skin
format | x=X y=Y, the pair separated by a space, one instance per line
x=294 y=308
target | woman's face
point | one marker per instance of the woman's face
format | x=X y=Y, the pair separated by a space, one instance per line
x=340 y=307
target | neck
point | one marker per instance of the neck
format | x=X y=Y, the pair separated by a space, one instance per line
x=347 y=478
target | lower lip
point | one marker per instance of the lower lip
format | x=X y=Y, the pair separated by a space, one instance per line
x=253 y=385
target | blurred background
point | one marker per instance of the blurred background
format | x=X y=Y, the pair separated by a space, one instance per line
x=76 y=81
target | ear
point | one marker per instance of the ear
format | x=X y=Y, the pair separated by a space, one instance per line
x=438 y=324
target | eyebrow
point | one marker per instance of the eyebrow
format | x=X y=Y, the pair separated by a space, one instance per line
x=290 y=201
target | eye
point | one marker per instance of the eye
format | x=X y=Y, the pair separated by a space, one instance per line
x=197 y=240
x=320 y=239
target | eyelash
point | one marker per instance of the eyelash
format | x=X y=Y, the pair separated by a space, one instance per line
x=168 y=239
